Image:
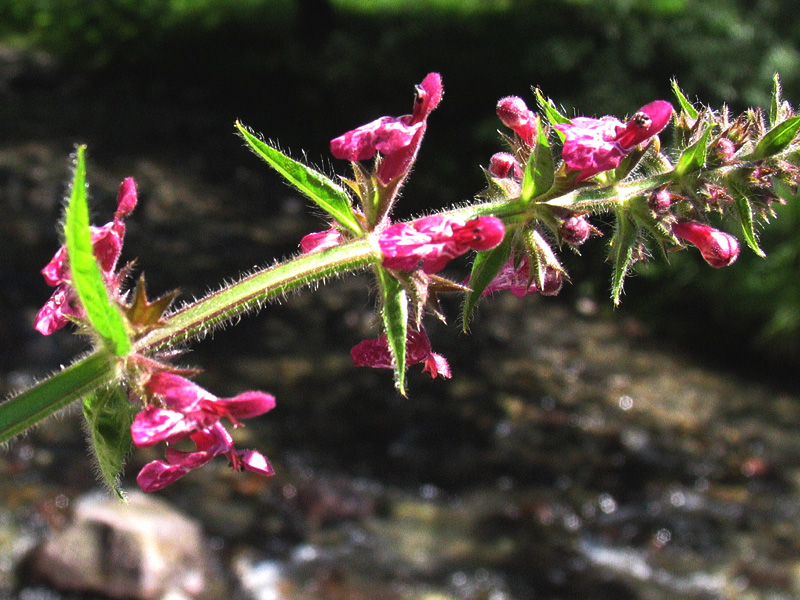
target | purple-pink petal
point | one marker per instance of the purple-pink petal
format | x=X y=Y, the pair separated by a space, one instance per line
x=154 y=425
x=431 y=242
x=320 y=240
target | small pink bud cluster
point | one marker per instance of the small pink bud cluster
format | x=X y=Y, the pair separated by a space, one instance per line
x=107 y=241
x=192 y=412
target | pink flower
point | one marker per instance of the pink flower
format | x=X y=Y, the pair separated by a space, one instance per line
x=107 y=244
x=210 y=442
x=193 y=412
x=595 y=145
x=375 y=353
x=719 y=249
x=514 y=113
x=431 y=242
x=517 y=279
x=320 y=240
x=396 y=138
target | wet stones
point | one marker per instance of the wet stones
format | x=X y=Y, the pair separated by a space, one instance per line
x=145 y=550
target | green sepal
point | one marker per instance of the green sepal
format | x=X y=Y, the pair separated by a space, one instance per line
x=776 y=139
x=485 y=268
x=683 y=101
x=540 y=171
x=394 y=314
x=321 y=190
x=745 y=212
x=621 y=250
x=87 y=279
x=109 y=415
x=551 y=112
x=693 y=158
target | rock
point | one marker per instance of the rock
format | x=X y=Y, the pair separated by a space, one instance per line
x=144 y=549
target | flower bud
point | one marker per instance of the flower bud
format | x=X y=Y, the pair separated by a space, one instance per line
x=719 y=249
x=575 y=230
x=514 y=113
x=503 y=164
x=660 y=201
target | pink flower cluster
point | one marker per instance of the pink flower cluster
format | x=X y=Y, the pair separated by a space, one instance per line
x=595 y=145
x=375 y=353
x=192 y=412
x=397 y=139
x=107 y=245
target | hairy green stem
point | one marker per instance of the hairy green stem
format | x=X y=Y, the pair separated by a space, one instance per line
x=90 y=373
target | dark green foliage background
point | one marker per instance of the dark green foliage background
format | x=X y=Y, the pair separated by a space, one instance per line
x=304 y=71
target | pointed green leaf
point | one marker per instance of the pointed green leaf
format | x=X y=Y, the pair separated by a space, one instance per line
x=684 y=103
x=694 y=157
x=549 y=109
x=540 y=171
x=394 y=313
x=484 y=269
x=745 y=212
x=621 y=250
x=326 y=194
x=109 y=415
x=87 y=279
x=775 y=101
x=776 y=139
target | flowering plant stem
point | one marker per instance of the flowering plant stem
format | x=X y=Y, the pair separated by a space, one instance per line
x=98 y=369
x=535 y=205
x=195 y=319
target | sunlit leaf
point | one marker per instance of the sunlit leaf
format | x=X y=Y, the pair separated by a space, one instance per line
x=745 y=212
x=540 y=171
x=87 y=278
x=394 y=313
x=776 y=139
x=684 y=103
x=623 y=243
x=694 y=157
x=325 y=193
x=484 y=269
x=109 y=415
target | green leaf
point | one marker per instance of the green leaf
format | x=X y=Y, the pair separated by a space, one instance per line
x=694 y=157
x=484 y=269
x=394 y=312
x=745 y=212
x=540 y=171
x=775 y=101
x=87 y=279
x=109 y=415
x=549 y=109
x=776 y=139
x=623 y=243
x=326 y=194
x=684 y=103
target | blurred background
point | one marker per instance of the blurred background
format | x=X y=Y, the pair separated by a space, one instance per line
x=579 y=452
